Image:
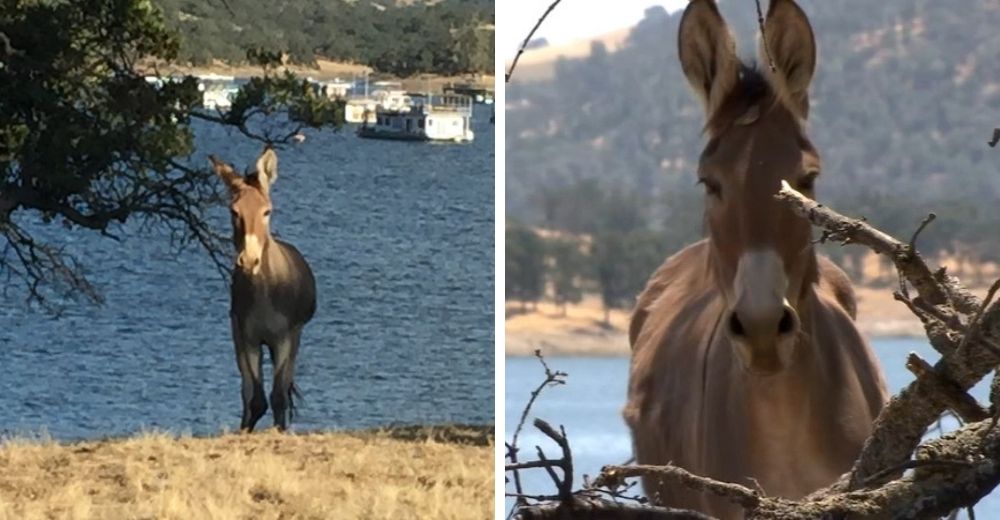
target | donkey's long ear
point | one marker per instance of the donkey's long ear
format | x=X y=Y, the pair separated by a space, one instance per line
x=708 y=53
x=226 y=172
x=267 y=167
x=789 y=41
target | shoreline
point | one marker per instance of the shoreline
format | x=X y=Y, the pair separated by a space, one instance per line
x=582 y=331
x=325 y=70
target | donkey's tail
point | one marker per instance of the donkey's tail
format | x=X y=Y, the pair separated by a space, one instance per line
x=293 y=392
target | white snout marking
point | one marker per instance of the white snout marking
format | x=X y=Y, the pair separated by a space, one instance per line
x=760 y=284
x=252 y=251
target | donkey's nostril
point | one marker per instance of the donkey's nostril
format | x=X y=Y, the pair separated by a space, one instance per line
x=735 y=327
x=787 y=322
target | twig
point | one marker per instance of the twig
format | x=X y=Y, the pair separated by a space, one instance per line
x=973 y=328
x=763 y=37
x=520 y=50
x=552 y=378
x=927 y=220
x=907 y=260
x=741 y=495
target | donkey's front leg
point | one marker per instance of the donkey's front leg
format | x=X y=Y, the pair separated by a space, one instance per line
x=283 y=355
x=248 y=360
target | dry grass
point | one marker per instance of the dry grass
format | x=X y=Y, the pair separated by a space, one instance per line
x=399 y=474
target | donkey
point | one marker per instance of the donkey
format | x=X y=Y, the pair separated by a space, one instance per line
x=746 y=364
x=273 y=292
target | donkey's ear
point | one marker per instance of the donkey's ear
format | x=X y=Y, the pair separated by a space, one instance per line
x=267 y=167
x=226 y=172
x=789 y=41
x=708 y=53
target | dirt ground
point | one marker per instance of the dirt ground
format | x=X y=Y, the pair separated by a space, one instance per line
x=399 y=474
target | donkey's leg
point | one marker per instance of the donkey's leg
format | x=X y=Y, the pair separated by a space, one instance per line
x=248 y=360
x=283 y=355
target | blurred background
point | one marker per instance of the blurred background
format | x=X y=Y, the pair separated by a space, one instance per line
x=603 y=137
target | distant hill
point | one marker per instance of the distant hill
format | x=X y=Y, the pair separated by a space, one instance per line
x=906 y=96
x=398 y=37
x=540 y=57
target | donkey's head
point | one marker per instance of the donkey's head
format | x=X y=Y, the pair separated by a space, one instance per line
x=250 y=208
x=755 y=124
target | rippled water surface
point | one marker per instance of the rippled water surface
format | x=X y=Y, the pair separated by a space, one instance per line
x=400 y=237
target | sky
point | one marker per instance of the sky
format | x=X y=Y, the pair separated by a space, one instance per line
x=571 y=20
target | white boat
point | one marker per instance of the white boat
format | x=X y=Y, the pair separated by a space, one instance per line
x=426 y=118
x=360 y=110
x=217 y=91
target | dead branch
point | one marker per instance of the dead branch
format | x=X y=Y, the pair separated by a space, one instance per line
x=901 y=424
x=524 y=44
x=593 y=509
x=951 y=395
x=552 y=378
x=909 y=263
x=613 y=475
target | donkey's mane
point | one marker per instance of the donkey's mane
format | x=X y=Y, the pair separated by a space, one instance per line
x=752 y=88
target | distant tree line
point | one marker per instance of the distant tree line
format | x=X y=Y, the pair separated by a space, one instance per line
x=604 y=245
x=403 y=39
x=903 y=106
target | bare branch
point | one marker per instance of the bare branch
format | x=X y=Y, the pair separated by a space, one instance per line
x=743 y=496
x=763 y=37
x=524 y=44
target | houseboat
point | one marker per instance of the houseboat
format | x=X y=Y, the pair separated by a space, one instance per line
x=426 y=118
x=217 y=91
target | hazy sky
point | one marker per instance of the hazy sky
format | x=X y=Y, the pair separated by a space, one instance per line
x=571 y=20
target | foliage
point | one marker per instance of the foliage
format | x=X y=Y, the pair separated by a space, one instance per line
x=88 y=143
x=904 y=102
x=525 y=264
x=568 y=266
x=446 y=37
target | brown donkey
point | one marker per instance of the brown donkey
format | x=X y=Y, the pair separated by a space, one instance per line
x=273 y=292
x=746 y=364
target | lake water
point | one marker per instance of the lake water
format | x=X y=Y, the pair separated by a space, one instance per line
x=589 y=407
x=400 y=238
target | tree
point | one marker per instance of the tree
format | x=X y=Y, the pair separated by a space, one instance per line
x=610 y=271
x=86 y=142
x=568 y=265
x=525 y=264
x=622 y=263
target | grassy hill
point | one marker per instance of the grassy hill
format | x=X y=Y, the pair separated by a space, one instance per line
x=906 y=97
x=402 y=38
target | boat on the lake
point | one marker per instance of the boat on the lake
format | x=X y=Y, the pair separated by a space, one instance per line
x=424 y=118
x=217 y=92
x=479 y=94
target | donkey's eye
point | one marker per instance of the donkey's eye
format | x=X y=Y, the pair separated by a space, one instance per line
x=809 y=181
x=711 y=187
x=267 y=213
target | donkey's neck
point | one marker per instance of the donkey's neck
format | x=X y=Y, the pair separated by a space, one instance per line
x=784 y=415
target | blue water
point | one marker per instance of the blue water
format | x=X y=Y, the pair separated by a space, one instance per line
x=400 y=237
x=589 y=407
